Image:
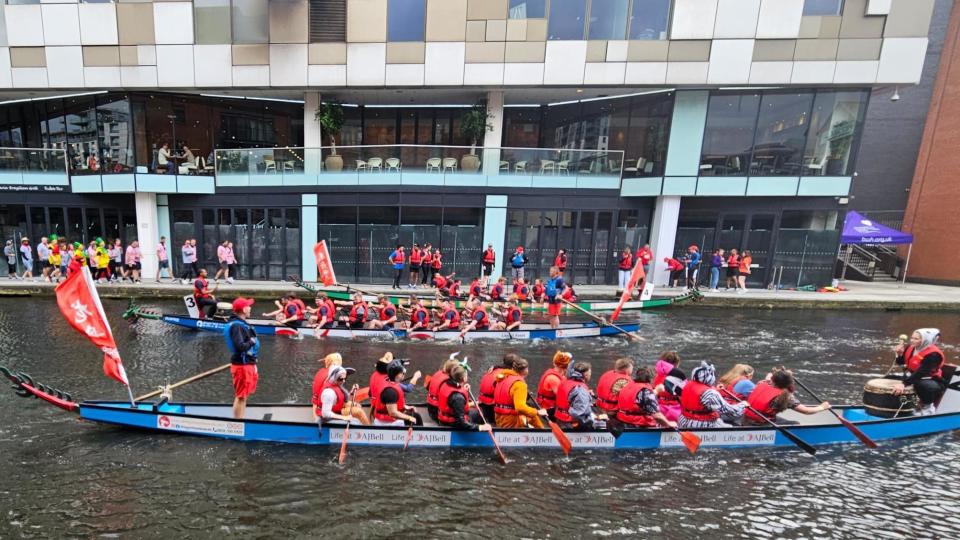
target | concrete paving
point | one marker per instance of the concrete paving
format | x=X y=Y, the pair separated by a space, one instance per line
x=861 y=295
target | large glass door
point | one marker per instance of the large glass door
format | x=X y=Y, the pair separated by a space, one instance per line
x=759 y=240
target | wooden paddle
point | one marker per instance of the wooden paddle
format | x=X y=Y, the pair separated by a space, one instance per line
x=188 y=380
x=793 y=438
x=406 y=441
x=846 y=423
x=603 y=321
x=493 y=438
x=346 y=433
x=558 y=433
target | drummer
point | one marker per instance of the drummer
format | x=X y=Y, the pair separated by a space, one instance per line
x=923 y=361
x=773 y=396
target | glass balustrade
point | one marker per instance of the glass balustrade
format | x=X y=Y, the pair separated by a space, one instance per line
x=33 y=166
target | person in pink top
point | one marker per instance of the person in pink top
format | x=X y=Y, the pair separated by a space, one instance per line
x=132 y=261
x=231 y=263
x=223 y=269
x=163 y=260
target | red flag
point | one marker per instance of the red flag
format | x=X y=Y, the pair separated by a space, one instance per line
x=635 y=277
x=80 y=305
x=324 y=264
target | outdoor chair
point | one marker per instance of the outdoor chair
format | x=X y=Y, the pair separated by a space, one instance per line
x=449 y=163
x=433 y=164
x=393 y=164
x=375 y=163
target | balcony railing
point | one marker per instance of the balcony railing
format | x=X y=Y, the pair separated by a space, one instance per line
x=33 y=167
x=420 y=165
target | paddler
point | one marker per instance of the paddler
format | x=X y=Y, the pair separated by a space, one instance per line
x=775 y=395
x=550 y=382
x=325 y=314
x=574 y=403
x=476 y=289
x=479 y=319
x=539 y=292
x=244 y=346
x=610 y=384
x=391 y=408
x=497 y=290
x=702 y=405
x=923 y=361
x=637 y=404
x=294 y=311
x=737 y=383
x=668 y=382
x=510 y=399
x=419 y=316
x=320 y=378
x=433 y=388
x=454 y=403
x=206 y=303
x=359 y=312
x=449 y=317
x=388 y=315
x=488 y=385
x=521 y=290
x=511 y=314
x=335 y=401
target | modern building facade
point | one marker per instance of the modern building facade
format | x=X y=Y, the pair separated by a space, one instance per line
x=612 y=123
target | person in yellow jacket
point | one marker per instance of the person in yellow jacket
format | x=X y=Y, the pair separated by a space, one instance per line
x=103 y=261
x=510 y=399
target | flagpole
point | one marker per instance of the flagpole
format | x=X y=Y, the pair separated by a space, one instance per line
x=133 y=403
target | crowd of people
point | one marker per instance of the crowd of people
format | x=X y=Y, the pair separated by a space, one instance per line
x=735 y=266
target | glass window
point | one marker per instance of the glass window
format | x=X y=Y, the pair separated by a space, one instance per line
x=251 y=21
x=648 y=135
x=608 y=19
x=836 y=120
x=781 y=134
x=728 y=136
x=405 y=20
x=649 y=18
x=211 y=19
x=115 y=135
x=823 y=7
x=567 y=18
x=521 y=127
x=528 y=9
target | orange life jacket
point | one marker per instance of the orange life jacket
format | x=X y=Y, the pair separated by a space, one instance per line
x=546 y=397
x=606 y=399
x=380 y=410
x=690 y=403
x=488 y=384
x=628 y=411
x=562 y=412
x=762 y=399
x=502 y=401
x=433 y=388
x=914 y=359
x=444 y=411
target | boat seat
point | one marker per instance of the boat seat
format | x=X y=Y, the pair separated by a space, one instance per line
x=947 y=372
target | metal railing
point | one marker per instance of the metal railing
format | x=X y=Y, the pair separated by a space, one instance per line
x=406 y=163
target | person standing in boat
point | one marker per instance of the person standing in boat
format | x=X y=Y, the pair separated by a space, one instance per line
x=550 y=382
x=510 y=398
x=701 y=404
x=454 y=403
x=433 y=387
x=775 y=395
x=391 y=408
x=335 y=401
x=574 y=402
x=637 y=404
x=204 y=296
x=611 y=382
x=244 y=345
x=923 y=361
x=554 y=292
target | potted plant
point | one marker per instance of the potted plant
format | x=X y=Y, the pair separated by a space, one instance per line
x=330 y=117
x=841 y=136
x=473 y=126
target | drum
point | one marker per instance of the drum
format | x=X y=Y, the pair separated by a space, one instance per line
x=879 y=399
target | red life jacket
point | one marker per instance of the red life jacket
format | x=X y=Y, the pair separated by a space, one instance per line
x=560 y=262
x=355 y=317
x=606 y=399
x=475 y=289
x=300 y=309
x=690 y=403
x=762 y=399
x=454 y=321
x=376 y=384
x=331 y=310
x=546 y=397
x=496 y=292
x=399 y=257
x=729 y=394
x=489 y=257
x=733 y=261
x=318 y=381
x=341 y=396
x=488 y=384
x=522 y=292
x=628 y=411
x=433 y=388
x=198 y=286
x=645 y=255
x=539 y=291
x=418 y=312
x=380 y=410
x=502 y=401
x=387 y=312
x=427 y=258
x=562 y=412
x=444 y=411
x=454 y=289
x=665 y=396
x=437 y=261
x=415 y=257
x=626 y=262
x=439 y=281
x=484 y=321
x=513 y=315
x=568 y=294
x=913 y=360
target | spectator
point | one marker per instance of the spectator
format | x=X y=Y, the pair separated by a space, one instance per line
x=163 y=260
x=397 y=259
x=188 y=254
x=517 y=262
x=115 y=253
x=560 y=261
x=222 y=262
x=92 y=258
x=132 y=261
x=675 y=268
x=231 y=263
x=43 y=255
x=165 y=159
x=745 y=262
x=189 y=164
x=624 y=267
x=716 y=263
x=693 y=267
x=645 y=254
x=26 y=254
x=733 y=270
x=11 y=254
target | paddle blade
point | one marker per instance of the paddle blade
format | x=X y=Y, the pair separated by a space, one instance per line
x=799 y=442
x=406 y=441
x=690 y=440
x=561 y=437
x=857 y=433
x=426 y=381
x=362 y=394
x=343 y=448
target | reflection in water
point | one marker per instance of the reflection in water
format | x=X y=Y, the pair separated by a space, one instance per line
x=61 y=477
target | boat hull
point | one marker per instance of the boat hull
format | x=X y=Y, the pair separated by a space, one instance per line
x=188 y=419
x=526 y=333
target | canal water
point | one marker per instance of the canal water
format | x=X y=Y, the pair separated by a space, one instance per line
x=60 y=477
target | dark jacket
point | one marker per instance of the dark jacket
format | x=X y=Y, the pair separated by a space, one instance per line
x=242 y=342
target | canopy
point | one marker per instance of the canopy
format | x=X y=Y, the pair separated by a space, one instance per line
x=857 y=229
